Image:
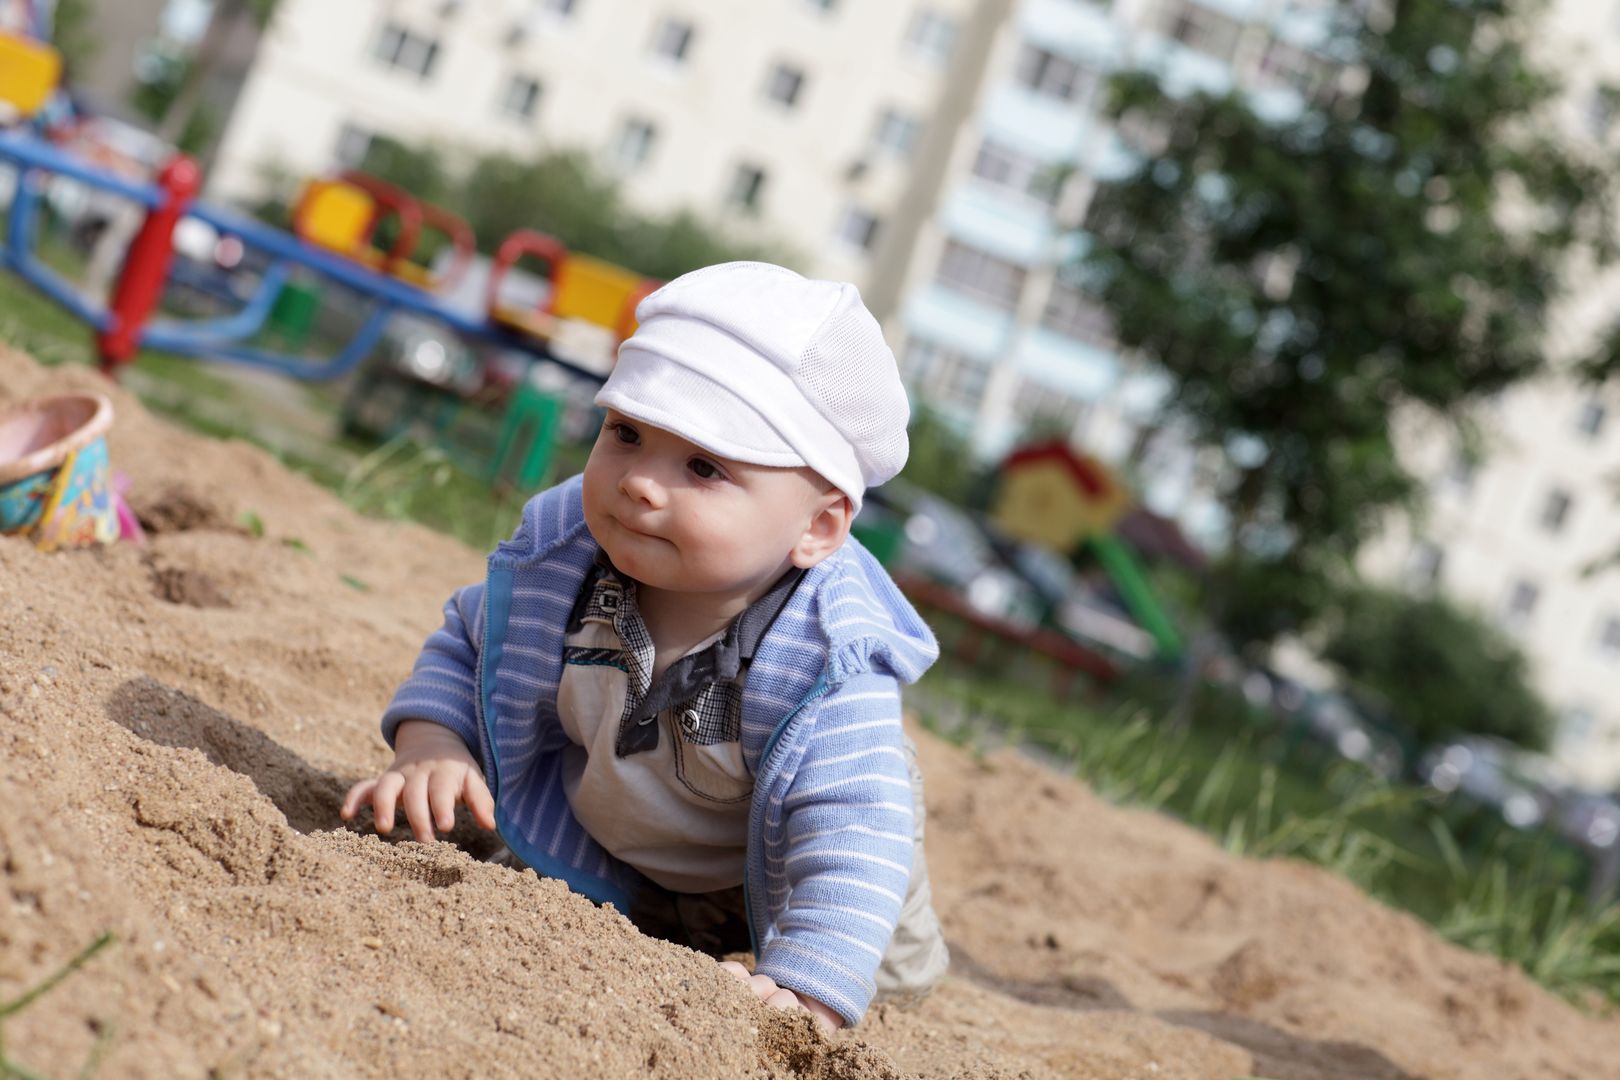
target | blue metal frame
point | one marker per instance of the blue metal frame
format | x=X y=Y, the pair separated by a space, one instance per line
x=223 y=338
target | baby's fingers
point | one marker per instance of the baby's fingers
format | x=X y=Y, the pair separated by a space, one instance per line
x=356 y=798
x=384 y=797
x=417 y=812
x=783 y=998
x=444 y=786
x=475 y=793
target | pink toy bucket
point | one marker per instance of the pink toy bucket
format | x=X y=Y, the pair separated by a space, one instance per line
x=55 y=485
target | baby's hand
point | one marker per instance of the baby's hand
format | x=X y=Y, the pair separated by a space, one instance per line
x=431 y=773
x=780 y=997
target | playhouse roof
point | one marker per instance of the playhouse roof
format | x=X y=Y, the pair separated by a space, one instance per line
x=1089 y=475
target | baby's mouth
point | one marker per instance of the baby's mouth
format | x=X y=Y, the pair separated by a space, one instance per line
x=634 y=531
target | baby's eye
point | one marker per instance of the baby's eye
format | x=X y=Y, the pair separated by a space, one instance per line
x=625 y=434
x=705 y=469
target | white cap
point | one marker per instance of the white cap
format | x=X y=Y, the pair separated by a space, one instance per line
x=753 y=362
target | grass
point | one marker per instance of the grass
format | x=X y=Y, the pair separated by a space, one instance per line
x=10 y=1069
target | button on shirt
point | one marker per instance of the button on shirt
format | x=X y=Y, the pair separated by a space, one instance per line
x=662 y=787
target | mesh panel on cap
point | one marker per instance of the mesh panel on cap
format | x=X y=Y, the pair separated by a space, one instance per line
x=849 y=371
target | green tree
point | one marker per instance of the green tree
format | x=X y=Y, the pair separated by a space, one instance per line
x=565 y=195
x=1395 y=245
x=561 y=194
x=942 y=461
x=188 y=98
x=74 y=35
x=1438 y=670
x=421 y=169
x=154 y=99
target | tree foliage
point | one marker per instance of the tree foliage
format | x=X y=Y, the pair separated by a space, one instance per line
x=560 y=193
x=1438 y=670
x=1397 y=243
x=74 y=34
x=565 y=195
x=942 y=461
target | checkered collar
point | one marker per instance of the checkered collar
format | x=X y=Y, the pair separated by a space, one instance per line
x=720 y=662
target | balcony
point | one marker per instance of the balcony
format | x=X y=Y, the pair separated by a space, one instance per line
x=1046 y=128
x=1084 y=372
x=957 y=321
x=1000 y=221
x=1073 y=28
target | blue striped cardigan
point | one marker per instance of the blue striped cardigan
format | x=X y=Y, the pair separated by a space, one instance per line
x=830 y=825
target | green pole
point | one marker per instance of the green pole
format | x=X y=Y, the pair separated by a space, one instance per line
x=1127 y=575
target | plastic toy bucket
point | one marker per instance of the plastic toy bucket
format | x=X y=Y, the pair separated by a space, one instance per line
x=55 y=485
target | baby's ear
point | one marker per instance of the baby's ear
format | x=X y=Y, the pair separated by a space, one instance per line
x=827 y=530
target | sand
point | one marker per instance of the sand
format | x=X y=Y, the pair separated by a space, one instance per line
x=178 y=721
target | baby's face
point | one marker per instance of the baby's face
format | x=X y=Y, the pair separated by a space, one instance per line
x=676 y=517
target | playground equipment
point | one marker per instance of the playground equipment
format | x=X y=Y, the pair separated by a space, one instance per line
x=29 y=72
x=55 y=483
x=1052 y=496
x=588 y=290
x=354 y=234
x=347 y=213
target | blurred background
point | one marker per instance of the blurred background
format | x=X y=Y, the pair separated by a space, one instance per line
x=1261 y=355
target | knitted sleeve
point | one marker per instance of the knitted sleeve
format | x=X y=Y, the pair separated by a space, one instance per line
x=849 y=845
x=443 y=686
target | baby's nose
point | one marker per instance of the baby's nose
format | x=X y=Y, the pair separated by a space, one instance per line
x=643 y=487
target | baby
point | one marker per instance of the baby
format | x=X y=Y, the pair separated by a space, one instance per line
x=678 y=688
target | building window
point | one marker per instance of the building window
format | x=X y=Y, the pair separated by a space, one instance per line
x=1049 y=74
x=931 y=34
x=672 y=40
x=747 y=187
x=635 y=142
x=520 y=97
x=784 y=84
x=1424 y=565
x=981 y=275
x=353 y=144
x=858 y=228
x=1609 y=637
x=398 y=48
x=1600 y=113
x=1462 y=472
x=1590 y=422
x=1199 y=28
x=944 y=375
x=1001 y=165
x=1075 y=313
x=897 y=132
x=1555 y=510
x=1521 y=602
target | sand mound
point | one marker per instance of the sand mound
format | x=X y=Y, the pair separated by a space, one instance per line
x=177 y=723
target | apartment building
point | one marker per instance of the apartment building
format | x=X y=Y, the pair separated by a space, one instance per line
x=796 y=120
x=990 y=326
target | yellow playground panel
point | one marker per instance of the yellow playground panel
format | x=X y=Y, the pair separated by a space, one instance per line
x=29 y=72
x=585 y=291
x=339 y=216
x=596 y=292
x=336 y=215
